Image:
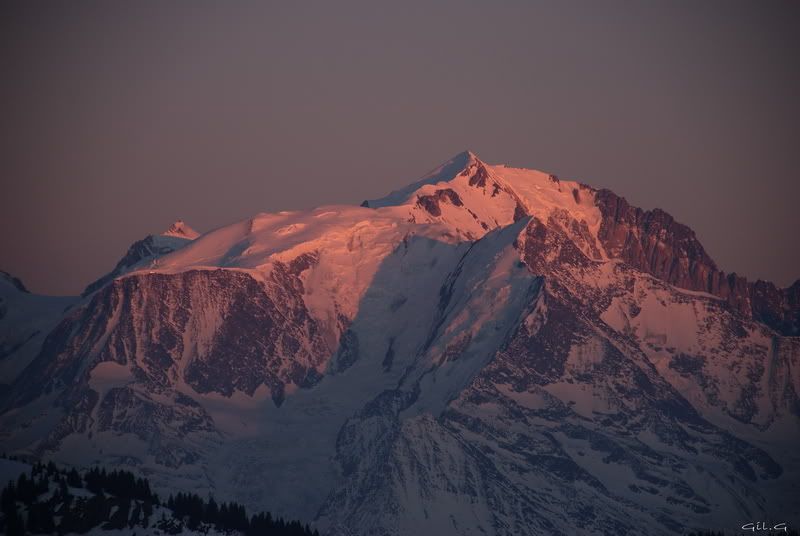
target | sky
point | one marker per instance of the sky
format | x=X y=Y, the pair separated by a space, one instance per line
x=119 y=118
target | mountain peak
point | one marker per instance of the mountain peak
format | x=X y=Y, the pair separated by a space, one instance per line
x=448 y=170
x=181 y=230
x=13 y=281
x=146 y=250
x=442 y=173
x=466 y=157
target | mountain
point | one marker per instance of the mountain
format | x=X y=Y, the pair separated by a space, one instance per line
x=180 y=229
x=25 y=321
x=147 y=250
x=489 y=350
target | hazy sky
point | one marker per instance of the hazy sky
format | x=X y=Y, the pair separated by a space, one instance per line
x=118 y=118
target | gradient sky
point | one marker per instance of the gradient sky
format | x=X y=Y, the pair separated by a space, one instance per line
x=119 y=118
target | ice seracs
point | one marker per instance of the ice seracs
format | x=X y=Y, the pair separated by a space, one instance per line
x=181 y=230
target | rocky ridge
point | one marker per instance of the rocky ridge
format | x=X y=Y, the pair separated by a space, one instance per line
x=489 y=350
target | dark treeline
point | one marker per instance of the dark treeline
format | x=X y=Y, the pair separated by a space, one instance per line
x=231 y=516
x=49 y=500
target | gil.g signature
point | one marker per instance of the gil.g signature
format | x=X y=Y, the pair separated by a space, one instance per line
x=762 y=526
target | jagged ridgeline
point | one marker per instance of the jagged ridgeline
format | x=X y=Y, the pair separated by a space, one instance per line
x=487 y=351
x=47 y=499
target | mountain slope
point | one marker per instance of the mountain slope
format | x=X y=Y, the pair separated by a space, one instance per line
x=146 y=250
x=43 y=499
x=25 y=321
x=489 y=350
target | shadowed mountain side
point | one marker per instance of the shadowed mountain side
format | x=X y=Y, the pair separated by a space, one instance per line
x=384 y=349
x=502 y=354
x=181 y=389
x=25 y=321
x=506 y=439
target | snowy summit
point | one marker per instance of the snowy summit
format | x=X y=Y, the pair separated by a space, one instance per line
x=489 y=350
x=180 y=229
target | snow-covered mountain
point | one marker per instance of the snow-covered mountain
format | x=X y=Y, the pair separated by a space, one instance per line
x=146 y=250
x=25 y=321
x=489 y=350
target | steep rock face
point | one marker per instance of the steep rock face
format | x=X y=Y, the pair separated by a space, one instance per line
x=654 y=242
x=488 y=351
x=120 y=363
x=775 y=307
x=216 y=330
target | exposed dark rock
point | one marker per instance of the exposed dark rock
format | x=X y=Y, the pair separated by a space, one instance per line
x=652 y=241
x=348 y=351
x=686 y=364
x=256 y=338
x=519 y=212
x=480 y=176
x=16 y=282
x=431 y=203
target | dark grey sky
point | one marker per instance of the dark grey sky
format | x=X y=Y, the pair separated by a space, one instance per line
x=119 y=118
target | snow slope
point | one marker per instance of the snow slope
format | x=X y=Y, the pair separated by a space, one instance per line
x=472 y=354
x=25 y=320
